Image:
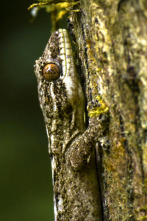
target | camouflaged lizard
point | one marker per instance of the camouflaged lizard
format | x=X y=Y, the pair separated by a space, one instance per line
x=75 y=183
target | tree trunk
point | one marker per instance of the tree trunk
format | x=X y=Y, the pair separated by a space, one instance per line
x=111 y=39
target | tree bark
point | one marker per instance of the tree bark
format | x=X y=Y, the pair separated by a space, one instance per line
x=111 y=39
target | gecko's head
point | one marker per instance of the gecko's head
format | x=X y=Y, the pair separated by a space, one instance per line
x=57 y=59
x=48 y=68
x=60 y=92
x=52 y=72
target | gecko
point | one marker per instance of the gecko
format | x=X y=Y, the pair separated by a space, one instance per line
x=70 y=142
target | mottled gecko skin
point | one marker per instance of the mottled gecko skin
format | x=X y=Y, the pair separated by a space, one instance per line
x=76 y=191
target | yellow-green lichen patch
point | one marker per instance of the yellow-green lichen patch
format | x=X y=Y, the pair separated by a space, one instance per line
x=96 y=111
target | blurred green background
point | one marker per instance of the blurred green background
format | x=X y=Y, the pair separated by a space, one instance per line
x=25 y=173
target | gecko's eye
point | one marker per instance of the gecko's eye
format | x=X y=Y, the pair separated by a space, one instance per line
x=51 y=72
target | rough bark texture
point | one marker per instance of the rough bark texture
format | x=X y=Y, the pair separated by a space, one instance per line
x=111 y=38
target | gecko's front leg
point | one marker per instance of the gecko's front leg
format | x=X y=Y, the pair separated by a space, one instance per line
x=82 y=147
x=76 y=193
